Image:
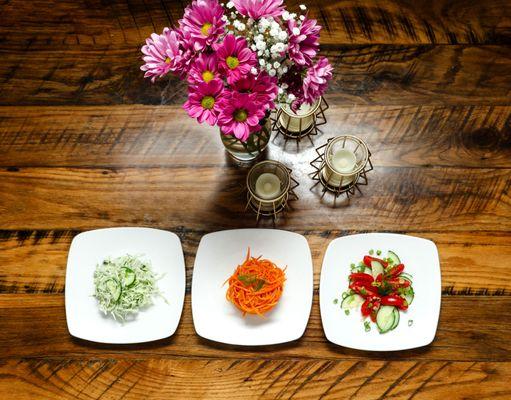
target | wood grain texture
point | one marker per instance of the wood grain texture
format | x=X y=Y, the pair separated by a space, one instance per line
x=363 y=74
x=212 y=198
x=95 y=22
x=35 y=261
x=141 y=136
x=242 y=379
x=34 y=325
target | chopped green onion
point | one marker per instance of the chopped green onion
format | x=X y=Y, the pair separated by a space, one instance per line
x=347 y=312
x=367 y=326
x=378 y=252
x=371 y=252
x=410 y=322
x=336 y=301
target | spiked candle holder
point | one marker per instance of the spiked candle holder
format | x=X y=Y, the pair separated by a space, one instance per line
x=342 y=166
x=300 y=124
x=270 y=188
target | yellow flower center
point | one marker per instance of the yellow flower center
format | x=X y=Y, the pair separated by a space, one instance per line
x=208 y=102
x=167 y=60
x=207 y=76
x=232 y=62
x=205 y=28
x=240 y=115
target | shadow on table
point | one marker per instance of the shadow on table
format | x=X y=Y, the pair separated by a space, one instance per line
x=124 y=347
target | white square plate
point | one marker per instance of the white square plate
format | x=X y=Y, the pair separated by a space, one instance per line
x=158 y=321
x=420 y=257
x=218 y=256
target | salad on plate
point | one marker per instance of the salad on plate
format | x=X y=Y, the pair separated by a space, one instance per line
x=382 y=290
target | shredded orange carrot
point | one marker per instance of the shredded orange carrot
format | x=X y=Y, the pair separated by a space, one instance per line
x=256 y=286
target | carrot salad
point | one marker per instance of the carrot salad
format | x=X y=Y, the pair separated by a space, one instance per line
x=256 y=286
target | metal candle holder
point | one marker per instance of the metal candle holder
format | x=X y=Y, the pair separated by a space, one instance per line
x=270 y=207
x=297 y=126
x=327 y=176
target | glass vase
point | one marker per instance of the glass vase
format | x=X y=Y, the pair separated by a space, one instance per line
x=253 y=147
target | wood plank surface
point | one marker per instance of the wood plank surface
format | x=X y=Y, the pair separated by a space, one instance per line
x=212 y=198
x=34 y=325
x=35 y=261
x=242 y=379
x=132 y=136
x=363 y=74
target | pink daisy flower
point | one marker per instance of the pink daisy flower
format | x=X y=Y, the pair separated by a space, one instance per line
x=303 y=41
x=262 y=88
x=239 y=115
x=234 y=57
x=204 y=69
x=203 y=101
x=162 y=53
x=259 y=8
x=203 y=21
x=316 y=80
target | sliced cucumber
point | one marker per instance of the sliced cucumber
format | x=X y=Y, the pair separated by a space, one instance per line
x=393 y=257
x=114 y=288
x=352 y=301
x=409 y=295
x=406 y=276
x=385 y=318
x=377 y=268
x=128 y=277
x=396 y=318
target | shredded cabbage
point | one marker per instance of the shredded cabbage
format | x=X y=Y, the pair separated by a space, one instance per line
x=124 y=285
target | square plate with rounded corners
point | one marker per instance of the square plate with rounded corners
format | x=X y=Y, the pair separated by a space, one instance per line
x=420 y=257
x=218 y=255
x=158 y=321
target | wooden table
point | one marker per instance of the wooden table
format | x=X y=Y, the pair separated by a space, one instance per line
x=86 y=143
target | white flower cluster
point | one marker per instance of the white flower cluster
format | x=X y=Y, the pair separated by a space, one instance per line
x=268 y=39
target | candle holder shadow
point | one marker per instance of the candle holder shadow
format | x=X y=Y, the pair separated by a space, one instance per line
x=353 y=179
x=270 y=207
x=296 y=127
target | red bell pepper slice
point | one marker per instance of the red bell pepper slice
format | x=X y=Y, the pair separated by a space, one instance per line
x=368 y=259
x=395 y=271
x=361 y=277
x=363 y=289
x=394 y=300
x=397 y=283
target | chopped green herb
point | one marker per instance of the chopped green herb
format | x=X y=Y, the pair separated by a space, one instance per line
x=410 y=322
x=336 y=301
x=352 y=265
x=347 y=312
x=367 y=326
x=378 y=252
x=371 y=252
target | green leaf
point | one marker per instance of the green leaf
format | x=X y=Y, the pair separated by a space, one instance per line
x=247 y=279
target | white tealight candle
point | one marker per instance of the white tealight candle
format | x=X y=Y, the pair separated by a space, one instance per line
x=267 y=186
x=292 y=123
x=343 y=161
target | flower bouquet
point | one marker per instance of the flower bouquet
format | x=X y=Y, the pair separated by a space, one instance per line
x=240 y=60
